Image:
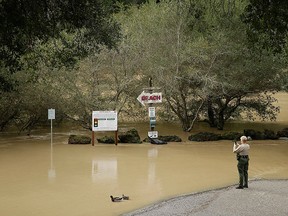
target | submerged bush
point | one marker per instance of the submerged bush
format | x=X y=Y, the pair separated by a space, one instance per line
x=231 y=136
x=130 y=136
x=270 y=134
x=204 y=136
x=283 y=133
x=255 y=135
x=106 y=140
x=79 y=139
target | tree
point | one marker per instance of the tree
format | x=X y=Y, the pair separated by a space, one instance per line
x=35 y=35
x=200 y=58
x=196 y=51
x=233 y=72
x=24 y=23
x=267 y=24
x=155 y=34
x=103 y=81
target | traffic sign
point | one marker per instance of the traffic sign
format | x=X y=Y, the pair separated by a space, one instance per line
x=145 y=97
x=153 y=134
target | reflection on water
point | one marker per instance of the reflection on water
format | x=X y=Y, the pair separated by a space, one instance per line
x=104 y=170
x=152 y=157
x=51 y=171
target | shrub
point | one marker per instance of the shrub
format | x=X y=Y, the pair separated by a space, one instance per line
x=171 y=138
x=106 y=139
x=283 y=133
x=204 y=136
x=78 y=139
x=255 y=135
x=269 y=134
x=130 y=136
x=231 y=136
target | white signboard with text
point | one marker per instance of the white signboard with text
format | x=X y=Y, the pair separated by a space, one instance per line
x=51 y=114
x=104 y=121
x=152 y=111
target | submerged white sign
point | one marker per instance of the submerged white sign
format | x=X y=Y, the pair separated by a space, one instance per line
x=104 y=121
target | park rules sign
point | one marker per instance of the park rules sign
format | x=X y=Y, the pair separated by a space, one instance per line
x=104 y=121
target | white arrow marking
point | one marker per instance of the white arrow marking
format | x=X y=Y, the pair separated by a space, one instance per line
x=139 y=98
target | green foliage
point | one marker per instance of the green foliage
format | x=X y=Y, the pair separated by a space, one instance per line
x=267 y=24
x=254 y=134
x=130 y=136
x=231 y=136
x=25 y=22
x=106 y=139
x=283 y=133
x=79 y=139
x=197 y=51
x=66 y=55
x=204 y=136
x=38 y=38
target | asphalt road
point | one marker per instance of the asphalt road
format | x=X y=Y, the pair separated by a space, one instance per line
x=263 y=197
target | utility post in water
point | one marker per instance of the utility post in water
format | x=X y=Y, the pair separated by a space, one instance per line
x=152 y=112
x=150 y=97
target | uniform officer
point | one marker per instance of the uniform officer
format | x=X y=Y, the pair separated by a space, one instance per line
x=242 y=151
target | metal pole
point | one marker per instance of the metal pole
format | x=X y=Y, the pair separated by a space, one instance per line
x=51 y=159
x=150 y=104
x=51 y=134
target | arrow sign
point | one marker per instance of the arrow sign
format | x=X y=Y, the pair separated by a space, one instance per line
x=145 y=97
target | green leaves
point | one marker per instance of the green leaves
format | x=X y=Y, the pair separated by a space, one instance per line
x=267 y=24
x=24 y=23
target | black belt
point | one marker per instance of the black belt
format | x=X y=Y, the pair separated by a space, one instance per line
x=244 y=156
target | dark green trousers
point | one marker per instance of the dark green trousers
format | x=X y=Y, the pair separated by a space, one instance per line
x=243 y=164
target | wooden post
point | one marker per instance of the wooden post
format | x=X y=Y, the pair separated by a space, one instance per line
x=92 y=138
x=116 y=137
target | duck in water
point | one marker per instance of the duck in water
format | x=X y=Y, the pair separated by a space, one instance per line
x=125 y=197
x=116 y=199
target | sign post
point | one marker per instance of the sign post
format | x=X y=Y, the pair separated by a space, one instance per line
x=149 y=97
x=51 y=116
x=105 y=121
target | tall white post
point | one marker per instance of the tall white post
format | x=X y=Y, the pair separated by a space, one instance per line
x=51 y=172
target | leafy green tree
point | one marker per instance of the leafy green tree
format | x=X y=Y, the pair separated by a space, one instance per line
x=199 y=56
x=233 y=86
x=103 y=81
x=25 y=22
x=35 y=35
x=164 y=35
x=267 y=24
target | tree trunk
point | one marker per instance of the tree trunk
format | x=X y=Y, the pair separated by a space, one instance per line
x=211 y=115
x=221 y=121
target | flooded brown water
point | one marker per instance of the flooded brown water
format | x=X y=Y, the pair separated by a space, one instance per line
x=77 y=180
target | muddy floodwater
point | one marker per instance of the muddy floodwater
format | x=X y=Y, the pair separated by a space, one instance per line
x=37 y=178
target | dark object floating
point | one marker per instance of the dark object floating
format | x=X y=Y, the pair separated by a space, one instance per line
x=116 y=199
x=157 y=141
x=125 y=197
